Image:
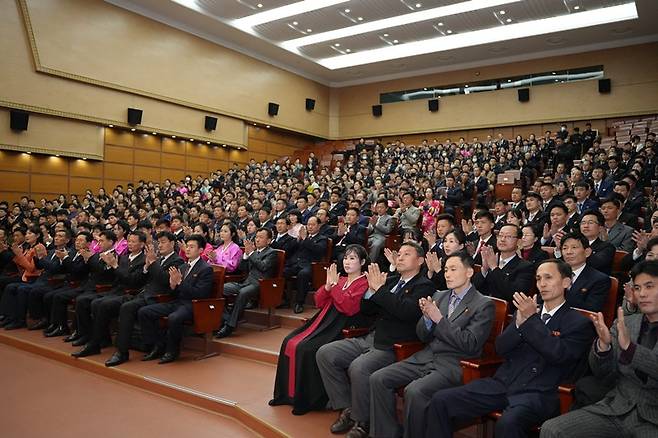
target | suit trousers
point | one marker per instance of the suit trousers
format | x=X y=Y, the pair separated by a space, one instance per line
x=345 y=367
x=304 y=274
x=35 y=300
x=61 y=301
x=48 y=300
x=103 y=310
x=149 y=319
x=127 y=317
x=421 y=381
x=83 y=312
x=14 y=300
x=376 y=244
x=243 y=292
x=584 y=424
x=463 y=403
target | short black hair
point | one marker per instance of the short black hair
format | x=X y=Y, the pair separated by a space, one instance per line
x=612 y=200
x=124 y=226
x=575 y=236
x=145 y=224
x=466 y=259
x=267 y=231
x=87 y=235
x=420 y=252
x=485 y=214
x=198 y=238
x=561 y=206
x=109 y=235
x=517 y=229
x=562 y=267
x=591 y=212
x=649 y=267
x=535 y=195
x=360 y=253
x=446 y=217
x=167 y=235
x=140 y=235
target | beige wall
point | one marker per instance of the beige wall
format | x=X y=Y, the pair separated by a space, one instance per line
x=633 y=71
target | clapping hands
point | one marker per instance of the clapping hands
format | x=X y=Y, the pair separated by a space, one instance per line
x=376 y=278
x=429 y=309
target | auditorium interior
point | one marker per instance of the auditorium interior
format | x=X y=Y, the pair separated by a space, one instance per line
x=314 y=218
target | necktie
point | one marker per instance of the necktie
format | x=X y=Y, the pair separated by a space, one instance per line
x=454 y=302
x=398 y=287
x=598 y=185
x=187 y=271
x=482 y=243
x=545 y=317
x=580 y=207
x=501 y=262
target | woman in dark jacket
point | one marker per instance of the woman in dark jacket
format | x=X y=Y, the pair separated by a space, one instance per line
x=531 y=247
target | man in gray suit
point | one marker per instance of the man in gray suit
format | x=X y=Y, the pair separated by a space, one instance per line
x=379 y=227
x=455 y=325
x=620 y=235
x=628 y=351
x=260 y=259
x=408 y=214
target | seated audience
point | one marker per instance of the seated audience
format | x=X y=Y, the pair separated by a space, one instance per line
x=381 y=225
x=453 y=242
x=348 y=232
x=228 y=254
x=530 y=246
x=618 y=234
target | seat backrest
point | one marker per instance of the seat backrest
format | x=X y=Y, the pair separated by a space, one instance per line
x=329 y=250
x=610 y=306
x=218 y=281
x=280 y=262
x=586 y=313
x=616 y=261
x=497 y=328
x=477 y=268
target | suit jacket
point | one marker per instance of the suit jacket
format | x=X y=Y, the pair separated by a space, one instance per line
x=381 y=228
x=327 y=230
x=631 y=220
x=620 y=236
x=539 y=356
x=516 y=276
x=396 y=314
x=629 y=391
x=604 y=189
x=50 y=265
x=129 y=274
x=157 y=276
x=260 y=265
x=355 y=235
x=409 y=218
x=536 y=256
x=589 y=291
x=574 y=222
x=499 y=222
x=311 y=249
x=603 y=254
x=99 y=273
x=552 y=203
x=461 y=335
x=288 y=244
x=477 y=258
x=197 y=284
x=538 y=221
x=75 y=267
x=454 y=197
x=588 y=204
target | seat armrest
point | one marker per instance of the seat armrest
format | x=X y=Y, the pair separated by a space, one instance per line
x=163 y=298
x=474 y=369
x=355 y=332
x=270 y=291
x=100 y=288
x=405 y=349
x=207 y=314
x=566 y=394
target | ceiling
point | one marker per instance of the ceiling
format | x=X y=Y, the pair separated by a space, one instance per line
x=348 y=42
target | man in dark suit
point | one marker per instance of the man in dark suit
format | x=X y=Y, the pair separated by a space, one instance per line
x=504 y=273
x=453 y=195
x=615 y=172
x=156 y=269
x=260 y=261
x=312 y=248
x=541 y=348
x=603 y=253
x=601 y=186
x=559 y=215
x=626 y=351
x=336 y=207
x=484 y=227
x=325 y=228
x=500 y=214
x=129 y=274
x=348 y=232
x=98 y=274
x=589 y=287
x=573 y=218
x=284 y=241
x=346 y=365
x=535 y=215
x=455 y=325
x=194 y=280
x=584 y=202
x=546 y=191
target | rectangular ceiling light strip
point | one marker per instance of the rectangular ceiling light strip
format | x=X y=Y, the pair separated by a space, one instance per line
x=279 y=13
x=556 y=24
x=392 y=22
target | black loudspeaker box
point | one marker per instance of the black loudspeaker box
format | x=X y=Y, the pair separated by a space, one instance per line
x=134 y=116
x=604 y=85
x=18 y=120
x=524 y=94
x=377 y=110
x=433 y=105
x=272 y=108
x=211 y=123
x=310 y=104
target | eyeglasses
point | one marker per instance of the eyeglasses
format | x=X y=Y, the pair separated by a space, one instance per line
x=504 y=237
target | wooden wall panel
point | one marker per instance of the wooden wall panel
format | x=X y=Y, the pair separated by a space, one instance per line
x=14 y=182
x=147 y=158
x=147 y=141
x=122 y=172
x=86 y=168
x=148 y=173
x=196 y=164
x=118 y=154
x=49 y=183
x=80 y=185
x=173 y=146
x=15 y=161
x=119 y=137
x=49 y=165
x=173 y=161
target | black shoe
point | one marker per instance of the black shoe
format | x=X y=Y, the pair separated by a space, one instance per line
x=224 y=332
x=50 y=328
x=168 y=358
x=299 y=308
x=82 y=340
x=344 y=422
x=6 y=321
x=284 y=305
x=58 y=331
x=88 y=350
x=15 y=325
x=72 y=337
x=250 y=305
x=39 y=325
x=359 y=430
x=117 y=359
x=155 y=353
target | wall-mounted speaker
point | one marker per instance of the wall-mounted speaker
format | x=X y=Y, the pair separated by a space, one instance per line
x=377 y=110
x=18 y=120
x=310 y=104
x=433 y=105
x=272 y=109
x=604 y=85
x=134 y=116
x=211 y=123
x=524 y=94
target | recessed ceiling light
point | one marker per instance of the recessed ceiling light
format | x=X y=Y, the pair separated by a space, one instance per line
x=337 y=44
x=395 y=41
x=309 y=30
x=553 y=73
x=466 y=86
x=509 y=80
x=267 y=126
x=385 y=34
x=191 y=139
x=424 y=88
x=154 y=133
x=254 y=124
x=29 y=153
x=173 y=136
x=223 y=145
x=509 y=20
x=419 y=5
x=207 y=142
x=448 y=31
x=575 y=8
x=84 y=158
x=111 y=126
x=438 y=13
x=259 y=5
x=348 y=50
x=440 y=23
x=502 y=12
x=57 y=155
x=295 y=23
x=132 y=129
x=549 y=25
x=347 y=11
x=282 y=12
x=359 y=18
